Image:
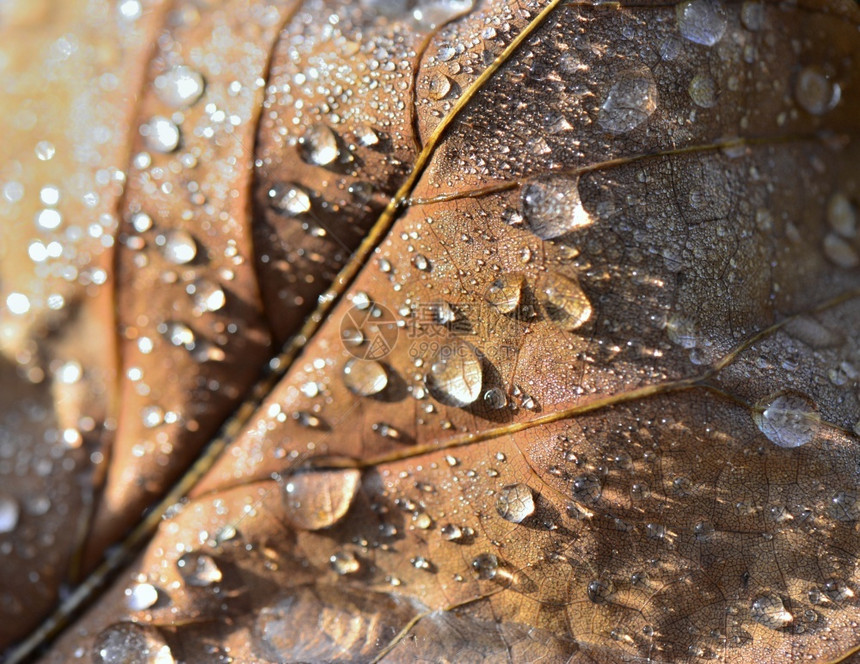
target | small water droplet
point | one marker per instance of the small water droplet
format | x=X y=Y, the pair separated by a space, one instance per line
x=319 y=145
x=630 y=101
x=515 y=503
x=551 y=207
x=789 y=419
x=486 y=566
x=319 y=499
x=495 y=398
x=179 y=334
x=840 y=252
x=702 y=21
x=178 y=247
x=344 y=562
x=815 y=92
x=198 y=569
x=769 y=610
x=455 y=374
x=841 y=215
x=565 y=302
x=505 y=292
x=208 y=296
x=753 y=15
x=161 y=134
x=152 y=416
x=141 y=596
x=439 y=86
x=703 y=91
x=845 y=506
x=837 y=590
x=451 y=532
x=289 y=199
x=599 y=591
x=179 y=87
x=420 y=261
x=587 y=489
x=130 y=643
x=366 y=136
x=365 y=377
x=703 y=531
x=10 y=511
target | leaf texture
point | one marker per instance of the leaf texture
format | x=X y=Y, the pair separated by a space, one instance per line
x=555 y=306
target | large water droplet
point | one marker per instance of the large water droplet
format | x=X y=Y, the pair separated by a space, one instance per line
x=319 y=145
x=429 y=14
x=178 y=247
x=702 y=21
x=789 y=419
x=703 y=91
x=565 y=302
x=10 y=511
x=455 y=374
x=289 y=199
x=551 y=207
x=768 y=610
x=365 y=377
x=319 y=499
x=840 y=252
x=198 y=569
x=815 y=92
x=179 y=87
x=515 y=503
x=505 y=292
x=631 y=100
x=130 y=643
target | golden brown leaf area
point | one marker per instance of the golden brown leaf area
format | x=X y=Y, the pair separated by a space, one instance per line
x=555 y=306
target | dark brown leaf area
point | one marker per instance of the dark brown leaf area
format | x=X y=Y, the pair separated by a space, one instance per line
x=557 y=304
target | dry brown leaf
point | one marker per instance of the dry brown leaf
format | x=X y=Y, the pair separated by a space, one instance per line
x=555 y=305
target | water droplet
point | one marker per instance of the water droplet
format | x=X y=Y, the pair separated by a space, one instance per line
x=178 y=247
x=702 y=21
x=565 y=302
x=837 y=590
x=438 y=86
x=141 y=222
x=515 y=503
x=703 y=531
x=587 y=489
x=208 y=296
x=551 y=207
x=486 y=566
x=495 y=398
x=455 y=374
x=768 y=610
x=161 y=134
x=319 y=499
x=10 y=511
x=599 y=591
x=429 y=14
x=451 y=532
x=179 y=334
x=141 y=596
x=69 y=373
x=289 y=199
x=845 y=506
x=420 y=261
x=198 y=569
x=841 y=215
x=179 y=87
x=130 y=643
x=789 y=419
x=703 y=91
x=48 y=220
x=753 y=15
x=366 y=136
x=344 y=562
x=365 y=377
x=815 y=92
x=505 y=293
x=151 y=416
x=840 y=252
x=631 y=100
x=319 y=145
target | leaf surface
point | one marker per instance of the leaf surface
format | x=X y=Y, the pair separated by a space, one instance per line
x=567 y=296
